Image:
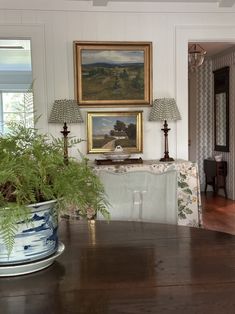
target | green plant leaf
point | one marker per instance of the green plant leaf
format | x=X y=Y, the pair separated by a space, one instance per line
x=32 y=170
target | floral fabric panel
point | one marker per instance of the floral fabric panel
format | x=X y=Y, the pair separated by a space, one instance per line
x=188 y=190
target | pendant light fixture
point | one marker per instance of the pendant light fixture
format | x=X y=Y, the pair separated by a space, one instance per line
x=196 y=55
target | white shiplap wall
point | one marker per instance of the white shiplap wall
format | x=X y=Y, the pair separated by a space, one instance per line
x=168 y=27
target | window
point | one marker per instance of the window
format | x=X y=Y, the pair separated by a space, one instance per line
x=16 y=97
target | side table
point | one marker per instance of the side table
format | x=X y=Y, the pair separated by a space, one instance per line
x=216 y=173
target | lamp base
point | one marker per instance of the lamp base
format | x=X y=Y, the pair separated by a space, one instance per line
x=65 y=133
x=167 y=159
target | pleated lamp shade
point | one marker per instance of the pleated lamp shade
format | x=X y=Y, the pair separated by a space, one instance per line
x=65 y=110
x=164 y=109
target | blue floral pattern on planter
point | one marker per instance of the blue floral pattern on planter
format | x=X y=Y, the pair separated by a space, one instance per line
x=34 y=240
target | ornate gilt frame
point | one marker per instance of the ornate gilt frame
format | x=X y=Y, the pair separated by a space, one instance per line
x=113 y=73
x=99 y=121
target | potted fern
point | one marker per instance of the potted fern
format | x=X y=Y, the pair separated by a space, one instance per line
x=33 y=174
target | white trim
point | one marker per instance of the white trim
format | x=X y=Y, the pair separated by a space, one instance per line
x=100 y=2
x=226 y=3
x=137 y=6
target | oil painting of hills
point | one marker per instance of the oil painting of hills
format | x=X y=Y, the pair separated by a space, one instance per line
x=112 y=74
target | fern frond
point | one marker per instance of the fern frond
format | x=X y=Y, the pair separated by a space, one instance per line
x=32 y=170
x=9 y=218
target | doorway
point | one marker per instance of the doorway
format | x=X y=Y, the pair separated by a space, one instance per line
x=218 y=212
x=201 y=107
x=213 y=50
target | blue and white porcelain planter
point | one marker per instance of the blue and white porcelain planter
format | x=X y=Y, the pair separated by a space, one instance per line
x=35 y=240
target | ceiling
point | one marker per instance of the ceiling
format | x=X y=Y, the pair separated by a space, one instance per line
x=221 y=3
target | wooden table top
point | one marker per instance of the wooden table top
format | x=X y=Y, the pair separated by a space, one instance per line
x=129 y=267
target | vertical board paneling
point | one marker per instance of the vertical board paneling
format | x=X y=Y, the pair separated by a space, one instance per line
x=60 y=54
x=62 y=27
x=45 y=18
x=28 y=17
x=12 y=16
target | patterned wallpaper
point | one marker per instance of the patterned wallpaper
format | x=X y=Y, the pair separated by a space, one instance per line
x=220 y=62
x=205 y=117
x=220 y=100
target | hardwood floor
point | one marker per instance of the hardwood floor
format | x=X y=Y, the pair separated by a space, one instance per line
x=218 y=213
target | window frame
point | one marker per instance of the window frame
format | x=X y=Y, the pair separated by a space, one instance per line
x=36 y=34
x=2 y=112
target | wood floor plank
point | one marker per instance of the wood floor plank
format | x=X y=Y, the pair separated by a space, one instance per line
x=218 y=213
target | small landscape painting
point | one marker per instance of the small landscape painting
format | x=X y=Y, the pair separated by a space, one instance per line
x=106 y=130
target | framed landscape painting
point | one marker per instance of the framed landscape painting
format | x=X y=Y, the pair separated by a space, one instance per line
x=106 y=130
x=113 y=73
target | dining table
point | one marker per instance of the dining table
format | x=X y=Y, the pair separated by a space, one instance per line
x=111 y=267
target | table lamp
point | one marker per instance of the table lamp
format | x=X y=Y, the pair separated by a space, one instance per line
x=65 y=111
x=165 y=109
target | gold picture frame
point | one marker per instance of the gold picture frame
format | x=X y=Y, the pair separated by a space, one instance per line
x=113 y=73
x=108 y=129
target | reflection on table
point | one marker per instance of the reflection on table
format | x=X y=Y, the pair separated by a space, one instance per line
x=129 y=267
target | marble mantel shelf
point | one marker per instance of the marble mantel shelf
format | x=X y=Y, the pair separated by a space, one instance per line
x=188 y=187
